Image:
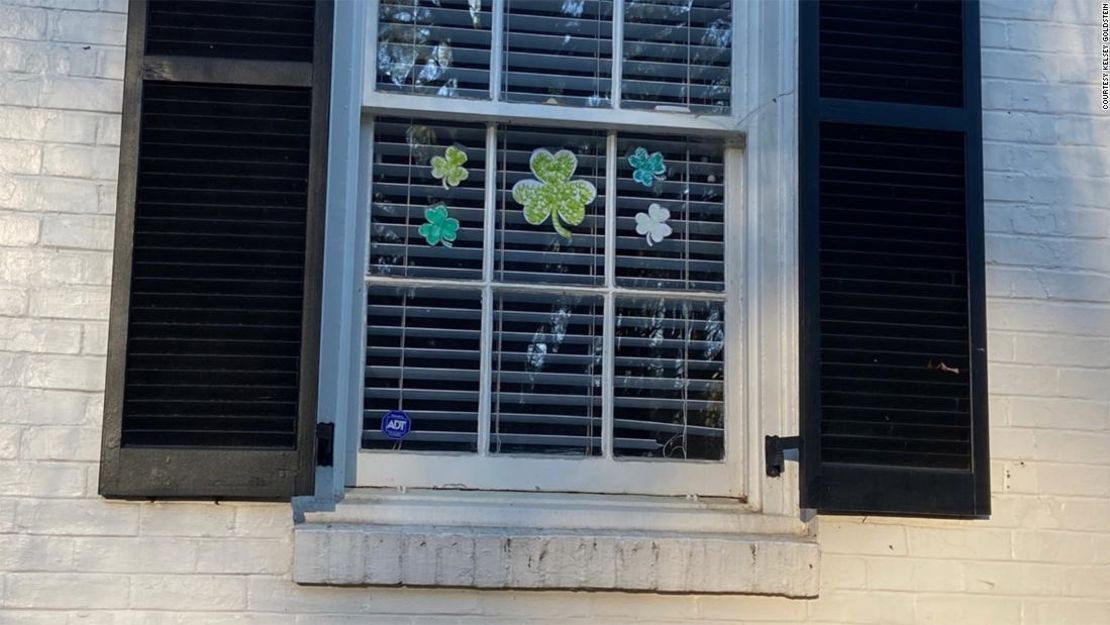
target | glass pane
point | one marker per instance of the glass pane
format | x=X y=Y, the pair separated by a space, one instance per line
x=558 y=51
x=423 y=357
x=435 y=47
x=671 y=230
x=677 y=54
x=426 y=212
x=547 y=374
x=547 y=231
x=668 y=386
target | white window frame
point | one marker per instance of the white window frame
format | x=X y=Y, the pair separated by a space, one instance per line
x=606 y=473
x=763 y=113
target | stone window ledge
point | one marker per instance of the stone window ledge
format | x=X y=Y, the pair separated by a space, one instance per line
x=590 y=543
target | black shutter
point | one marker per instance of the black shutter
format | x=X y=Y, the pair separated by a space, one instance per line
x=894 y=403
x=214 y=330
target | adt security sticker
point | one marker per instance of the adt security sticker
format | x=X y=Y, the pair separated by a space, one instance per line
x=396 y=424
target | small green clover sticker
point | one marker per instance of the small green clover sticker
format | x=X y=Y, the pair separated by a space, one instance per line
x=649 y=167
x=553 y=193
x=449 y=167
x=440 y=228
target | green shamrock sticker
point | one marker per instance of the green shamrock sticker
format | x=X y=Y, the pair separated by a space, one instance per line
x=553 y=193
x=449 y=167
x=439 y=227
x=649 y=167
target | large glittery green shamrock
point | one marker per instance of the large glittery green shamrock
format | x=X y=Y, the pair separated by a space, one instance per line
x=449 y=167
x=554 y=194
x=439 y=227
x=649 y=167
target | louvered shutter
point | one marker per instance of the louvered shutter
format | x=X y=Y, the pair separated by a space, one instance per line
x=211 y=384
x=893 y=328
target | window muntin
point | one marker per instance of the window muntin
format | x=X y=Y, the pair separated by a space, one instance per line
x=673 y=55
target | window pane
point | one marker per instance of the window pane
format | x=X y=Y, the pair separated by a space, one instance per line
x=536 y=252
x=677 y=53
x=423 y=357
x=668 y=387
x=547 y=374
x=435 y=47
x=405 y=238
x=558 y=51
x=670 y=231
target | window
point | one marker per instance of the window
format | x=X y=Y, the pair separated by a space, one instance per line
x=553 y=277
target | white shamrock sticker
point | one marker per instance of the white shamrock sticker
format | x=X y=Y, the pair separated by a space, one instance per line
x=653 y=224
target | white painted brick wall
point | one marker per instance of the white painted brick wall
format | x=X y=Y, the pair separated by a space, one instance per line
x=69 y=558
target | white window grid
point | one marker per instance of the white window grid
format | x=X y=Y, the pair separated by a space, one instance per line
x=605 y=473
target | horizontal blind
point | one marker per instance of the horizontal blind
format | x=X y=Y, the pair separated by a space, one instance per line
x=558 y=52
x=404 y=188
x=434 y=47
x=894 y=351
x=546 y=345
x=547 y=359
x=538 y=254
x=678 y=53
x=263 y=30
x=422 y=357
x=691 y=190
x=668 y=384
x=218 y=257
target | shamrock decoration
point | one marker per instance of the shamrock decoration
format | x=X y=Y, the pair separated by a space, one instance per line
x=649 y=167
x=554 y=194
x=439 y=228
x=449 y=167
x=653 y=224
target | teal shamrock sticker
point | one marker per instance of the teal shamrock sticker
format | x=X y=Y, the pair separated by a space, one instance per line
x=440 y=228
x=449 y=167
x=553 y=194
x=649 y=167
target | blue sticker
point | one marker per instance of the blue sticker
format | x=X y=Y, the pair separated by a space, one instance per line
x=396 y=424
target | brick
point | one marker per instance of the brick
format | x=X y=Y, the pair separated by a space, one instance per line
x=43 y=407
x=1062 y=547
x=78 y=517
x=244 y=556
x=950 y=609
x=98 y=28
x=17 y=229
x=1059 y=413
x=86 y=94
x=1060 y=611
x=187 y=519
x=135 y=555
x=40 y=336
x=35 y=553
x=82 y=373
x=1071 y=479
x=854 y=538
x=71 y=303
x=9 y=441
x=61 y=443
x=79 y=161
x=22 y=23
x=66 y=591
x=13 y=301
x=263 y=521
x=94 y=341
x=19 y=157
x=960 y=542
x=93 y=232
x=912 y=575
x=41 y=479
x=1013 y=578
